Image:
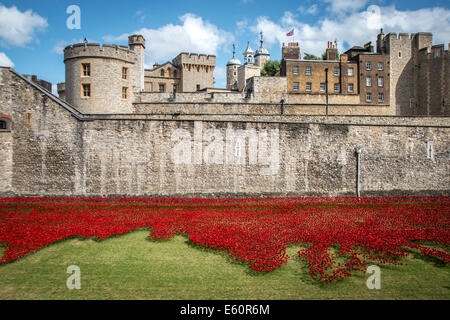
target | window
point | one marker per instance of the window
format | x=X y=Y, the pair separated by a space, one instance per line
x=124 y=73
x=350 y=72
x=86 y=69
x=322 y=87
x=295 y=86
x=308 y=86
x=368 y=66
x=380 y=81
x=174 y=88
x=175 y=73
x=124 y=93
x=162 y=72
x=308 y=71
x=336 y=71
x=337 y=87
x=368 y=97
x=368 y=81
x=198 y=87
x=86 y=90
x=3 y=125
x=234 y=73
x=295 y=70
x=28 y=118
x=162 y=87
x=380 y=97
x=380 y=66
x=350 y=87
x=399 y=54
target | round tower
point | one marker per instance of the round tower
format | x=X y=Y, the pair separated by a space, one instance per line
x=232 y=71
x=103 y=79
x=261 y=55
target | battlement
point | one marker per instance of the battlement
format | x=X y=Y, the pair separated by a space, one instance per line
x=95 y=50
x=436 y=51
x=195 y=58
x=406 y=36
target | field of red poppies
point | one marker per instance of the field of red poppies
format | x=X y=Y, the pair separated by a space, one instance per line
x=340 y=234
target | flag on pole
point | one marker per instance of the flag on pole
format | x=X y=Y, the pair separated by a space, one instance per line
x=290 y=33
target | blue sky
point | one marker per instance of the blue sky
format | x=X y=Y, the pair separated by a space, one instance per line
x=34 y=33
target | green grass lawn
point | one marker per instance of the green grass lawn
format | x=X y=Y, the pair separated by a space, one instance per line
x=132 y=266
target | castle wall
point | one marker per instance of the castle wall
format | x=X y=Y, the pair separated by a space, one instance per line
x=62 y=152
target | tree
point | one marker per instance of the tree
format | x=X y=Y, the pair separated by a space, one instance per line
x=309 y=56
x=271 y=68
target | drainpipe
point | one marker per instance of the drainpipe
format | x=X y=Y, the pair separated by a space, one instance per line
x=326 y=88
x=358 y=152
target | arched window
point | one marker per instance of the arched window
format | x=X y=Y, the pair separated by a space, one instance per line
x=5 y=124
x=162 y=72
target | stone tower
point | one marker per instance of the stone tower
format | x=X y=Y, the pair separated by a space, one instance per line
x=232 y=71
x=261 y=55
x=403 y=50
x=137 y=44
x=197 y=71
x=104 y=79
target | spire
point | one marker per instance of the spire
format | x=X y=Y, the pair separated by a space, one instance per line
x=261 y=33
x=234 y=50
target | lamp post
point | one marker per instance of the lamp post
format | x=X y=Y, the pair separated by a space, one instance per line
x=358 y=152
x=326 y=89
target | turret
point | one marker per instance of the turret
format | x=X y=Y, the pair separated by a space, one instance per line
x=232 y=71
x=261 y=55
x=137 y=44
x=248 y=55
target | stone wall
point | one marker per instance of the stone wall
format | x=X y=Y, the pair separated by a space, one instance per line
x=63 y=152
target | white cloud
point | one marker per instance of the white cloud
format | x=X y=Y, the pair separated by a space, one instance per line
x=192 y=35
x=313 y=9
x=356 y=28
x=17 y=28
x=5 y=61
x=342 y=6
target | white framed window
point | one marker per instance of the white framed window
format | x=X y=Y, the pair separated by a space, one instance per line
x=295 y=86
x=162 y=87
x=295 y=70
x=368 y=81
x=337 y=87
x=380 y=97
x=368 y=66
x=322 y=87
x=350 y=72
x=350 y=87
x=368 y=97
x=380 y=81
x=308 y=71
x=336 y=71
x=308 y=86
x=380 y=66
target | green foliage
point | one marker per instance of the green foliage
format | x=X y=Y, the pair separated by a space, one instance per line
x=271 y=68
x=309 y=56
